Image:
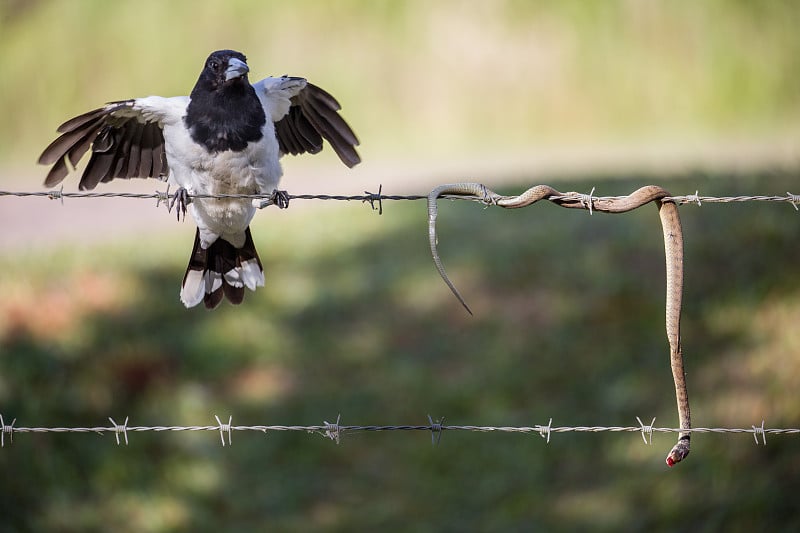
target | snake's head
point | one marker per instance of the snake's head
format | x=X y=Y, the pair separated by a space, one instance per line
x=678 y=452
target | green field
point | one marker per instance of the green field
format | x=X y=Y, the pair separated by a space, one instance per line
x=355 y=321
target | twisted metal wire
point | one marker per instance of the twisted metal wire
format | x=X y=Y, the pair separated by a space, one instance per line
x=334 y=430
x=379 y=197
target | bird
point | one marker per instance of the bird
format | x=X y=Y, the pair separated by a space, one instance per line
x=226 y=138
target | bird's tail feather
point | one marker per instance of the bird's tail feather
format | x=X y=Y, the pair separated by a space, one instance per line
x=221 y=271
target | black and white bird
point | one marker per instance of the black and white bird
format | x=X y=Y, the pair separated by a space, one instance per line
x=227 y=137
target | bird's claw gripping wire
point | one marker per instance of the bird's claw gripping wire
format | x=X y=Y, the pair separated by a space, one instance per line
x=279 y=198
x=179 y=200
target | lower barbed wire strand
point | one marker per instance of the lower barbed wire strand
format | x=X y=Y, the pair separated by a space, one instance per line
x=427 y=427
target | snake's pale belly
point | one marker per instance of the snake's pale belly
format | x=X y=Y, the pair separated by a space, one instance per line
x=673 y=252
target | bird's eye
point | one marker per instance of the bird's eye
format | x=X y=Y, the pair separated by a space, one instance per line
x=213 y=64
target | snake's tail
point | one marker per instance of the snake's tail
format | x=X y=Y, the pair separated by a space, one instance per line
x=455 y=291
x=432 y=213
x=440 y=266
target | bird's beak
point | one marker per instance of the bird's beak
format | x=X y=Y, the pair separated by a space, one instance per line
x=236 y=69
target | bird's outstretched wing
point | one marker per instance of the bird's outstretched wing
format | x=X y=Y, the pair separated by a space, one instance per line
x=313 y=116
x=126 y=140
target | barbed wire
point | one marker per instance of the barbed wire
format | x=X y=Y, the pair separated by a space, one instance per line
x=335 y=430
x=377 y=199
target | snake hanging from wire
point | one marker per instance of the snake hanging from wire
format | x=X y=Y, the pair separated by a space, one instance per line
x=673 y=248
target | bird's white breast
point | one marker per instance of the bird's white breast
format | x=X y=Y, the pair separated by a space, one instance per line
x=254 y=170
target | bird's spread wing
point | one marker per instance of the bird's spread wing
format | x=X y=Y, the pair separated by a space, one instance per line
x=126 y=140
x=312 y=115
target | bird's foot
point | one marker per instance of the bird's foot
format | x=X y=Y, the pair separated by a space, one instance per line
x=279 y=198
x=180 y=200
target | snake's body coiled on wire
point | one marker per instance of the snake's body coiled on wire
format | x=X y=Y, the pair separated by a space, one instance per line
x=673 y=251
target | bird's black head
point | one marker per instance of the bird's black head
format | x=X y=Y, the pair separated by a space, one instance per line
x=224 y=112
x=223 y=67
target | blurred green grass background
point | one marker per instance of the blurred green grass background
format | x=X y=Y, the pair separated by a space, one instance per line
x=427 y=77
x=354 y=320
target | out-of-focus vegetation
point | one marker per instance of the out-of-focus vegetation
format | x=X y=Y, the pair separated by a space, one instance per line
x=354 y=320
x=419 y=78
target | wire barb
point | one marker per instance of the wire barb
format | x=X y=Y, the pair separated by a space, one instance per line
x=760 y=431
x=794 y=199
x=224 y=428
x=544 y=431
x=371 y=198
x=332 y=431
x=163 y=197
x=57 y=194
x=6 y=429
x=587 y=200
x=436 y=430
x=487 y=197
x=647 y=431
x=120 y=429
x=694 y=198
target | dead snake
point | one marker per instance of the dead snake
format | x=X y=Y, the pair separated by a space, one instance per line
x=673 y=248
